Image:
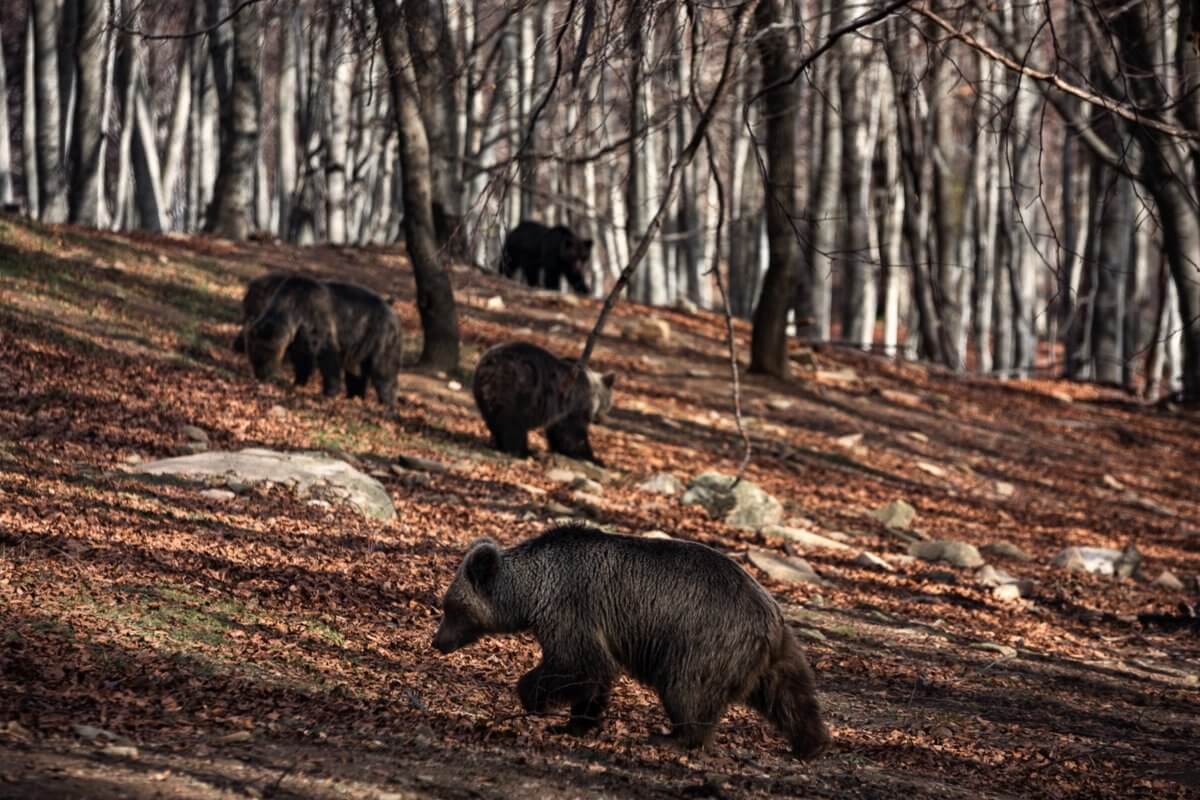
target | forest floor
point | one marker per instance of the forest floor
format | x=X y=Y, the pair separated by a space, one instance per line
x=158 y=643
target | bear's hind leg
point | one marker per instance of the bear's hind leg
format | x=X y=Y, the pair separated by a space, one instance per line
x=356 y=385
x=331 y=372
x=694 y=713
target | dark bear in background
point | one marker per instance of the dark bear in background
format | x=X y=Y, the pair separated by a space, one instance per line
x=341 y=327
x=298 y=318
x=369 y=340
x=254 y=302
x=676 y=616
x=519 y=387
x=546 y=255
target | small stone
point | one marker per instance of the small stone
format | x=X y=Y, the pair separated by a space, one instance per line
x=810 y=633
x=958 y=554
x=90 y=733
x=559 y=475
x=662 y=483
x=194 y=433
x=932 y=469
x=1007 y=591
x=1100 y=560
x=917 y=436
x=454 y=386
x=1062 y=397
x=558 y=509
x=899 y=398
x=779 y=403
x=586 y=498
x=237 y=737
x=236 y=486
x=132 y=458
x=1006 y=550
x=1005 y=489
x=745 y=506
x=120 y=751
x=195 y=447
x=277 y=412
x=1003 y=650
x=320 y=505
x=686 y=306
x=1168 y=582
x=218 y=495
x=656 y=535
x=896 y=514
x=495 y=303
x=1113 y=483
x=837 y=377
x=586 y=486
x=783 y=568
x=801 y=537
x=850 y=441
x=872 y=561
x=699 y=373
x=536 y=491
x=650 y=330
x=987 y=575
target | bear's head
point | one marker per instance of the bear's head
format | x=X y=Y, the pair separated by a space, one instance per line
x=468 y=612
x=266 y=341
x=601 y=386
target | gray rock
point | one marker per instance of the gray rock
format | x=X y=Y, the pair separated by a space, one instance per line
x=931 y=469
x=495 y=303
x=558 y=509
x=133 y=459
x=656 y=535
x=302 y=471
x=560 y=475
x=801 y=537
x=1004 y=650
x=1005 y=489
x=1168 y=582
x=1008 y=591
x=662 y=483
x=896 y=514
x=1100 y=560
x=194 y=433
x=699 y=373
x=1006 y=550
x=810 y=633
x=944 y=576
x=219 y=495
x=586 y=486
x=277 y=412
x=195 y=447
x=779 y=403
x=958 y=554
x=850 y=441
x=744 y=506
x=686 y=306
x=990 y=576
x=783 y=568
x=872 y=561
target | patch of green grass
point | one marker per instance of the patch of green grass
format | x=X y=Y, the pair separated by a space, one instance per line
x=347 y=434
x=327 y=632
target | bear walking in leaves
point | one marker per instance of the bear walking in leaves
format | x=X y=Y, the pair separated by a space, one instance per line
x=546 y=255
x=333 y=326
x=519 y=387
x=676 y=616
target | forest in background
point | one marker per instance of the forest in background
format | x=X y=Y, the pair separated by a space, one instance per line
x=1009 y=189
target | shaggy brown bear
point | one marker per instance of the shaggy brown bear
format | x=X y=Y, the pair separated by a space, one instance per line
x=676 y=616
x=546 y=255
x=519 y=387
x=356 y=323
x=300 y=313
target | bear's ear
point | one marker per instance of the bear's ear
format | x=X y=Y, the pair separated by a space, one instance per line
x=609 y=378
x=482 y=562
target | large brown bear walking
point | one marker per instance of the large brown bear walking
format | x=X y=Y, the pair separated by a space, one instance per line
x=520 y=386
x=677 y=616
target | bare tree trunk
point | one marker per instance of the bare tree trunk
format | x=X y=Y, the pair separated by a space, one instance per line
x=858 y=131
x=87 y=143
x=777 y=49
x=229 y=215
x=52 y=185
x=6 y=177
x=642 y=194
x=338 y=134
x=1114 y=226
x=987 y=210
x=288 y=87
x=177 y=132
x=435 y=297
x=826 y=219
x=68 y=36
x=148 y=193
x=29 y=123
x=891 y=236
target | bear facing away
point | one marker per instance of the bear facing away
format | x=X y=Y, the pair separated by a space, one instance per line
x=370 y=340
x=519 y=386
x=546 y=255
x=676 y=616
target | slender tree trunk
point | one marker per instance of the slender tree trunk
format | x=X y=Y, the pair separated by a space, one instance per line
x=435 y=297
x=891 y=237
x=777 y=49
x=52 y=184
x=6 y=175
x=91 y=53
x=29 y=123
x=1114 y=226
x=181 y=110
x=229 y=215
x=338 y=133
x=858 y=131
x=288 y=87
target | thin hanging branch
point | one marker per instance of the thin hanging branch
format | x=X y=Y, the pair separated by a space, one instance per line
x=680 y=162
x=158 y=37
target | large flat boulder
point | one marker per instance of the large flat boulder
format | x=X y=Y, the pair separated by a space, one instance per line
x=311 y=474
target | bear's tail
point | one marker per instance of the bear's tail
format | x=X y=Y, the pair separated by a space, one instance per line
x=786 y=695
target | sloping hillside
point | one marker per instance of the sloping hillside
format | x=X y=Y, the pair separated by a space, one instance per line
x=267 y=646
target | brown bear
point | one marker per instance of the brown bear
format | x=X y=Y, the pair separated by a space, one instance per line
x=298 y=317
x=519 y=386
x=359 y=325
x=546 y=255
x=676 y=616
